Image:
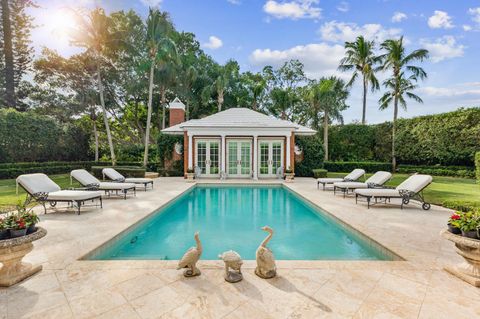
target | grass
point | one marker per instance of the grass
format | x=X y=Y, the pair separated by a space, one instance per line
x=443 y=188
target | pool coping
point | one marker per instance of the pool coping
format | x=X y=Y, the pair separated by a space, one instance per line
x=384 y=250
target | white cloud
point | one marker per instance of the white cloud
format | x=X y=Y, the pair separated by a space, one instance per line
x=398 y=17
x=213 y=43
x=319 y=59
x=467 y=27
x=440 y=20
x=236 y=2
x=471 y=89
x=443 y=48
x=340 y=31
x=295 y=9
x=152 y=3
x=475 y=13
x=343 y=6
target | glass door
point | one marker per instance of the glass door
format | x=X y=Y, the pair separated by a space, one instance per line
x=239 y=155
x=270 y=155
x=208 y=157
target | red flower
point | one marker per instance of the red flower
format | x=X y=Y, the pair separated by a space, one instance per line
x=455 y=217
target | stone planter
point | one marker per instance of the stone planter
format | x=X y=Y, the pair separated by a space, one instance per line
x=289 y=177
x=12 y=252
x=190 y=177
x=469 y=249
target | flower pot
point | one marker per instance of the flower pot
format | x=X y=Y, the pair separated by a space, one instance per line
x=18 y=232
x=4 y=233
x=31 y=229
x=470 y=234
x=454 y=230
x=289 y=177
x=190 y=177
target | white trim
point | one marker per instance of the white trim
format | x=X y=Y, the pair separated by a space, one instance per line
x=287 y=153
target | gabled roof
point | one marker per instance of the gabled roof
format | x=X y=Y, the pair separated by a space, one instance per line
x=239 y=118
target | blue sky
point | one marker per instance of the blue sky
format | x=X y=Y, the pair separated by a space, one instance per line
x=267 y=32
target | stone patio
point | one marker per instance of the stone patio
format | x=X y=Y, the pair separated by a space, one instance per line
x=71 y=288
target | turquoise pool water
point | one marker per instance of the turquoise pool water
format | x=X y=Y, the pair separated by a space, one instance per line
x=230 y=217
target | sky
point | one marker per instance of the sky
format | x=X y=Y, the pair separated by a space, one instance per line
x=269 y=32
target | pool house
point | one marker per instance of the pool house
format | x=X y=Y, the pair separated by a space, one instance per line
x=236 y=143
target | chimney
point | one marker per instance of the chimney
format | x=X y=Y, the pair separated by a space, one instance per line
x=177 y=112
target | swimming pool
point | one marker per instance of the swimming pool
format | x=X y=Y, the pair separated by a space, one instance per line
x=231 y=217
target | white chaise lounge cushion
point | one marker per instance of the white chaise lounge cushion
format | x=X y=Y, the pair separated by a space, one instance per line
x=67 y=195
x=37 y=183
x=350 y=185
x=378 y=192
x=379 y=178
x=114 y=175
x=115 y=186
x=414 y=183
x=353 y=176
x=85 y=178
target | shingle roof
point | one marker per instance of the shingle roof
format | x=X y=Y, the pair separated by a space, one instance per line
x=239 y=117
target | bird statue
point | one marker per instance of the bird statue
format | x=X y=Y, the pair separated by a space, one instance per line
x=190 y=259
x=233 y=264
x=266 y=267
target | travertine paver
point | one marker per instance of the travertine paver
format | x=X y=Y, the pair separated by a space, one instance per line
x=72 y=288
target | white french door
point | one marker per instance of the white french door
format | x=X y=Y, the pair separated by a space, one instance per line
x=239 y=158
x=207 y=155
x=270 y=157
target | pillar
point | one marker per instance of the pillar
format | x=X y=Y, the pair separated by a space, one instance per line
x=255 y=157
x=289 y=151
x=190 y=151
x=223 y=152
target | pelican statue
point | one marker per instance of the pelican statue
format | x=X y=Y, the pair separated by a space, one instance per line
x=265 y=261
x=190 y=259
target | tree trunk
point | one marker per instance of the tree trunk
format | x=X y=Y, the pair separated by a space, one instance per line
x=149 y=115
x=394 y=128
x=254 y=105
x=8 y=53
x=187 y=113
x=105 y=119
x=325 y=136
x=95 y=136
x=364 y=111
x=220 y=100
x=163 y=100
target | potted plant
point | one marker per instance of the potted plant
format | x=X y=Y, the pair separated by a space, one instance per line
x=289 y=174
x=454 y=223
x=17 y=225
x=469 y=224
x=4 y=232
x=190 y=174
x=30 y=218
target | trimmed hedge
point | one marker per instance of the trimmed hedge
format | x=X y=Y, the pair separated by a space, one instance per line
x=319 y=173
x=462 y=206
x=127 y=171
x=437 y=170
x=369 y=167
x=312 y=147
x=477 y=166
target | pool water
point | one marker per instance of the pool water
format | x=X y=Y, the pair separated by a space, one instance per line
x=231 y=217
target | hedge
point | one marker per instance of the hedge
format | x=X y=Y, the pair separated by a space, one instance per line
x=463 y=206
x=437 y=170
x=312 y=148
x=369 y=167
x=127 y=171
x=320 y=173
x=477 y=166
x=26 y=136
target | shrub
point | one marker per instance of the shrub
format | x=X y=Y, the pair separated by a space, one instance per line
x=127 y=171
x=477 y=166
x=319 y=173
x=312 y=147
x=369 y=167
x=462 y=206
x=437 y=170
x=134 y=153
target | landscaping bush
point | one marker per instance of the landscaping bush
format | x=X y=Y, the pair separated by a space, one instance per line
x=351 y=142
x=127 y=171
x=462 y=206
x=369 y=167
x=134 y=153
x=477 y=166
x=437 y=170
x=312 y=147
x=319 y=173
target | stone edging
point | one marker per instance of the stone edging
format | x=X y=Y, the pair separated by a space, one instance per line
x=7 y=243
x=457 y=239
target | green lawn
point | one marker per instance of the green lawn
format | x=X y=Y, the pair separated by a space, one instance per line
x=442 y=188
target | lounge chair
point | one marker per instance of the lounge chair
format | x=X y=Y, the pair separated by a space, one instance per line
x=112 y=174
x=375 y=181
x=90 y=182
x=410 y=189
x=42 y=189
x=352 y=177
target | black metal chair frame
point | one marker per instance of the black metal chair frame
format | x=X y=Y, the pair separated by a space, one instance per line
x=405 y=195
x=95 y=187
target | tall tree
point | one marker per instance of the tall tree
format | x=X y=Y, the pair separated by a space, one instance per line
x=224 y=78
x=403 y=79
x=92 y=32
x=360 y=58
x=8 y=54
x=159 y=45
x=328 y=96
x=189 y=78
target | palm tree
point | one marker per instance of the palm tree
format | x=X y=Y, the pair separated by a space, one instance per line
x=403 y=79
x=281 y=102
x=8 y=55
x=258 y=87
x=189 y=78
x=158 y=45
x=93 y=33
x=328 y=96
x=360 y=58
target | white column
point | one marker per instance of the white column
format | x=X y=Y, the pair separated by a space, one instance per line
x=287 y=164
x=190 y=151
x=223 y=151
x=255 y=157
